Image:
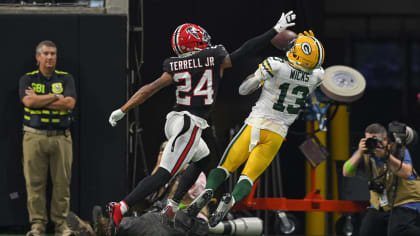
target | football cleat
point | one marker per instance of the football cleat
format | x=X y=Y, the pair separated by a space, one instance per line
x=189 y=38
x=200 y=202
x=306 y=53
x=115 y=216
x=222 y=209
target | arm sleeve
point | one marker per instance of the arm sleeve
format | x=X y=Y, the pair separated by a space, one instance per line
x=252 y=47
x=70 y=88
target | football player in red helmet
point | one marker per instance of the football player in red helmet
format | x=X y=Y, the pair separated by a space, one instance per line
x=189 y=38
x=196 y=73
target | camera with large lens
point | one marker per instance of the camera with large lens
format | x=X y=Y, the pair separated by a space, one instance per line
x=376 y=186
x=401 y=134
x=372 y=143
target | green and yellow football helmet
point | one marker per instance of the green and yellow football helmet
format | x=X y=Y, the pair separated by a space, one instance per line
x=306 y=53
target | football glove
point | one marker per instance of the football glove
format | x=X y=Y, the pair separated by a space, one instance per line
x=286 y=20
x=116 y=116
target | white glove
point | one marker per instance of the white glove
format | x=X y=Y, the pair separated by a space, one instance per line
x=116 y=116
x=285 y=21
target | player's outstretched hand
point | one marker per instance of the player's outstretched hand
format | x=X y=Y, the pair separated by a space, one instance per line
x=116 y=116
x=286 y=20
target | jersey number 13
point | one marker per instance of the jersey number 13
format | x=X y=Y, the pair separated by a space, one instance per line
x=301 y=91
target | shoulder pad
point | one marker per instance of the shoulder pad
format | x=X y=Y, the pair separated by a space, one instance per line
x=275 y=62
x=272 y=64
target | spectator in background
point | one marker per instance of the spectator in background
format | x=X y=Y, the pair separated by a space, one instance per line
x=49 y=96
x=379 y=157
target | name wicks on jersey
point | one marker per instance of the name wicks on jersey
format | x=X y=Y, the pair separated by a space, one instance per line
x=191 y=64
x=299 y=75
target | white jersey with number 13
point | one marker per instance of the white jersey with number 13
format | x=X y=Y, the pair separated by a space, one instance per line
x=283 y=95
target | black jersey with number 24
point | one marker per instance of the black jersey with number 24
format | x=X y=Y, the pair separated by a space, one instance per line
x=196 y=79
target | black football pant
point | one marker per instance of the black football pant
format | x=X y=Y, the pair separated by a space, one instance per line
x=404 y=222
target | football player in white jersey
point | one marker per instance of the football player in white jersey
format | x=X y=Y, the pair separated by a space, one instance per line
x=196 y=73
x=285 y=85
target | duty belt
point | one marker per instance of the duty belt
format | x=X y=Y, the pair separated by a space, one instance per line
x=55 y=132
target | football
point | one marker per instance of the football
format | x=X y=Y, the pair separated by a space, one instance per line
x=282 y=39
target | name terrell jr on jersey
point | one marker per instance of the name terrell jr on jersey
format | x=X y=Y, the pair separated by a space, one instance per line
x=191 y=63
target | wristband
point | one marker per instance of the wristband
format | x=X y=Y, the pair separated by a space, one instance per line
x=349 y=168
x=181 y=206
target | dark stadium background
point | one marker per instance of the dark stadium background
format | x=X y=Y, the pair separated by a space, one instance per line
x=382 y=42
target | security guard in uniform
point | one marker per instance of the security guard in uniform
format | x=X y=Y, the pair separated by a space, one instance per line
x=49 y=96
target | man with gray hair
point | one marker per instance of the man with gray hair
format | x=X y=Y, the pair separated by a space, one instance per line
x=48 y=96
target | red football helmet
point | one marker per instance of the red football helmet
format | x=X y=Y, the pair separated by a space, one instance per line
x=189 y=38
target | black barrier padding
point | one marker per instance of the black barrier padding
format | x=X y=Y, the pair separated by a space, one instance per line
x=91 y=48
x=351 y=188
x=102 y=89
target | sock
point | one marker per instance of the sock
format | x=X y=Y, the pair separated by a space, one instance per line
x=123 y=207
x=147 y=186
x=188 y=179
x=216 y=177
x=242 y=188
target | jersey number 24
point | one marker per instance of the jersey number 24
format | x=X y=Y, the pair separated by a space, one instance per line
x=204 y=87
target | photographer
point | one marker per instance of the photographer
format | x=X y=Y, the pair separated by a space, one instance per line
x=394 y=184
